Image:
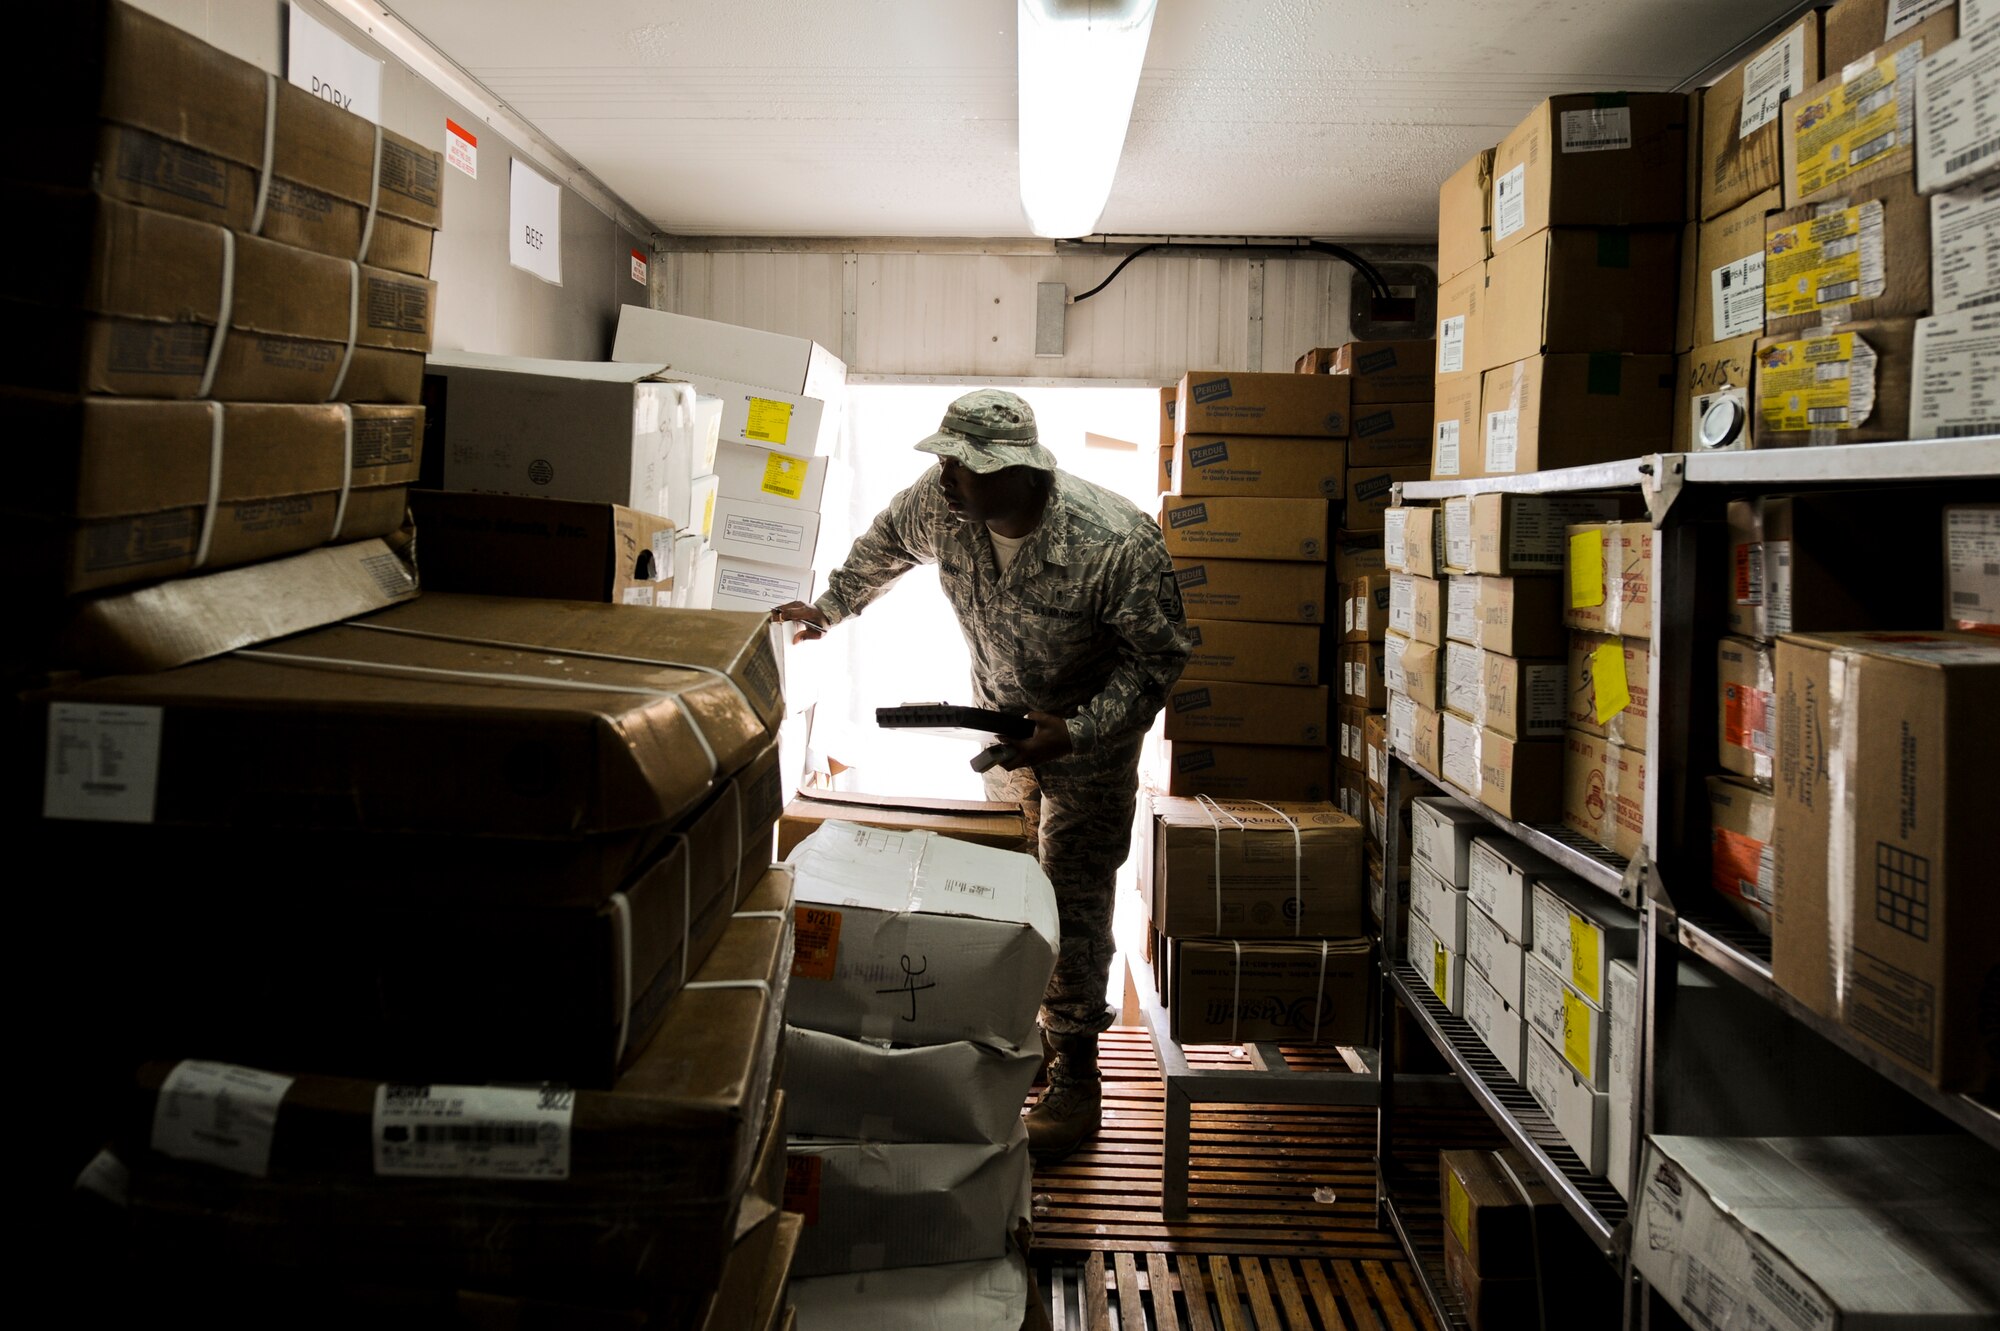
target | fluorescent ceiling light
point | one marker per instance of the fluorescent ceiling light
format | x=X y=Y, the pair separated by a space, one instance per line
x=1080 y=62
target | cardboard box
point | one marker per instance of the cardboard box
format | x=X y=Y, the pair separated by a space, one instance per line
x=1854 y=28
x=1375 y=742
x=1972 y=567
x=1285 y=869
x=783 y=480
x=1260 y=466
x=1465 y=217
x=1461 y=338
x=1415 y=669
x=1956 y=388
x=1965 y=232
x=1505 y=534
x=1766 y=1225
x=1684 y=301
x=1317 y=360
x=1591 y=159
x=1236 y=528
x=1956 y=88
x=1414 y=734
x=1286 y=405
x=1393 y=434
x=1364 y=614
x=1455 y=446
x=955 y=1092
x=918 y=1203
x=1564 y=411
x=868 y=899
x=1386 y=372
x=1166 y=476
x=790 y=365
x=1169 y=398
x=1510 y=616
x=1803 y=398
x=1740 y=114
x=1363 y=678
x=1222 y=712
x=1497 y=1022
x=1863 y=255
x=559 y=549
x=1741 y=819
x=1712 y=397
x=767 y=533
x=1348 y=749
x=1579 y=1112
x=1518 y=779
x=1248 y=771
x=1621 y=1126
x=1308 y=991
x=1413 y=540
x=1745 y=708
x=1502 y=876
x=1253 y=589
x=1795 y=565
x=1356 y=554
x=1730 y=282
x=1440 y=906
x=1578 y=1031
x=1576 y=289
x=1521 y=699
x=1856 y=125
x=1416 y=607
x=1371 y=490
x=994 y=1294
x=1251 y=653
x=998 y=825
x=1604 y=792
x=752 y=587
x=1441 y=833
x=1609 y=687
x=1609 y=575
x=1498 y=960
x=1579 y=932
x=1904 y=973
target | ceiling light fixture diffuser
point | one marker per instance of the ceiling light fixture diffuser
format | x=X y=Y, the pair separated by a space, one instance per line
x=1079 y=70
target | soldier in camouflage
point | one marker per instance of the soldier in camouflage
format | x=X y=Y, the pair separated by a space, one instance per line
x=1067 y=600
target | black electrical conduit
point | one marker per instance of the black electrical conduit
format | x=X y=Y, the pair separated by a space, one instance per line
x=1341 y=252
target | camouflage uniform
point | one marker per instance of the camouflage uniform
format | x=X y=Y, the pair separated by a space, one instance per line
x=1085 y=624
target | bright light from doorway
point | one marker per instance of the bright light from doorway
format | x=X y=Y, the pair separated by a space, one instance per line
x=1079 y=70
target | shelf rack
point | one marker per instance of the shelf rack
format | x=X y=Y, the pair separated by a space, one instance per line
x=1601 y=868
x=1419 y=1228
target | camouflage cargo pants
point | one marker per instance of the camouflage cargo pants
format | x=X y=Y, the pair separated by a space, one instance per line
x=1080 y=811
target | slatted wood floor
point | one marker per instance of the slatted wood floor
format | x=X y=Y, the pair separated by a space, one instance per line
x=1281 y=1234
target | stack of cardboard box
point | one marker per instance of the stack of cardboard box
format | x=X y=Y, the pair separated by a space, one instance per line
x=1607 y=596
x=1260 y=461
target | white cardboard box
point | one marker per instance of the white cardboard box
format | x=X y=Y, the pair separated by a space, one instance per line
x=1497 y=1022
x=959 y=1296
x=1579 y=933
x=1622 y=1117
x=1441 y=832
x=748 y=584
x=1439 y=905
x=917 y=938
x=729 y=351
x=1494 y=955
x=869 y=1206
x=1442 y=969
x=957 y=1092
x=764 y=533
x=782 y=479
x=1580 y=1031
x=1578 y=1111
x=1501 y=872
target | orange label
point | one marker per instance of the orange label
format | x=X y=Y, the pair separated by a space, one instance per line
x=815 y=942
x=802 y=1186
x=1746 y=718
x=1736 y=866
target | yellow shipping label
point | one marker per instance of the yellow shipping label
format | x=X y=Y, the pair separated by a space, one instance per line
x=1610 y=691
x=1583 y=964
x=1816 y=383
x=784 y=477
x=708 y=516
x=1458 y=1211
x=1577 y=1045
x=770 y=422
x=1586 y=569
x=1440 y=971
x=1824 y=264
x=1853 y=123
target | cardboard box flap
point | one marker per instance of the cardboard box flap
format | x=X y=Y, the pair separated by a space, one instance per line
x=848 y=865
x=729 y=351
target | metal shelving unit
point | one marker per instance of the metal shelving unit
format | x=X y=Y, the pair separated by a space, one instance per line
x=1625 y=474
x=1579 y=855
x=1426 y=1253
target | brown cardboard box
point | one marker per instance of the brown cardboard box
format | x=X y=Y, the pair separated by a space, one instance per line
x=1413 y=540
x=1388 y=371
x=1729 y=290
x=1348 y=750
x=1465 y=218
x=119 y=491
x=1255 y=589
x=1518 y=779
x=1304 y=991
x=1249 y=653
x=1393 y=434
x=1604 y=792
x=1511 y=616
x=1228 y=527
x=1415 y=669
x=1906 y=719
x=1364 y=614
x=1375 y=743
x=1521 y=699
x=1581 y=289
x=1166 y=476
x=1621 y=666
x=1745 y=708
x=1455 y=446
x=1461 y=339
x=1684 y=333
x=129 y=299
x=1508 y=534
x=560 y=549
x=1485 y=1213
x=1169 y=397
x=1356 y=554
x=1834 y=130
x=1319 y=360
x=1861 y=255
x=1493 y=1246
x=1370 y=491
x=1609 y=577
x=1740 y=867
x=1799 y=399
x=1261 y=467
x=1415 y=732
x=1564 y=411
x=1416 y=607
x=1854 y=28
x=1362 y=681
x=1218 y=711
x=1740 y=117
x=1592 y=159
x=1284 y=870
x=1795 y=565
x=1248 y=771
x=1706 y=379
x=1000 y=825
x=1233 y=402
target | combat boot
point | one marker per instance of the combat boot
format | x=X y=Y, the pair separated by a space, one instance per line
x=1069 y=1109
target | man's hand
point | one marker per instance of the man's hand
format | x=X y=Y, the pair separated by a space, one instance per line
x=798 y=612
x=1049 y=742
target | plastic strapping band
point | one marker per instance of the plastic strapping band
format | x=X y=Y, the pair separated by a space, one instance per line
x=621 y=924
x=1319 y=994
x=759 y=915
x=762 y=986
x=1207 y=804
x=374 y=201
x=226 y=308
x=346 y=470
x=687 y=898
x=215 y=431
x=270 y=153
x=1236 y=992
x=736 y=875
x=1298 y=868
x=353 y=329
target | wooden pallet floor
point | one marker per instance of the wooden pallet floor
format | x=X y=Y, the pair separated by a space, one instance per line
x=1282 y=1232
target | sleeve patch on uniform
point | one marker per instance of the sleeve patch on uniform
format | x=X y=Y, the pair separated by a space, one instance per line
x=1170 y=598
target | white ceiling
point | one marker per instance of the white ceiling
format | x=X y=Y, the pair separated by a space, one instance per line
x=896 y=117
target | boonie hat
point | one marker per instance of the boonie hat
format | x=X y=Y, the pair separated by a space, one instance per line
x=990 y=430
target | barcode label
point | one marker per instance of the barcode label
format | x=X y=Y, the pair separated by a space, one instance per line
x=499 y=1132
x=1970 y=155
x=1964 y=432
x=1826 y=415
x=1832 y=371
x=1875 y=147
x=1838 y=291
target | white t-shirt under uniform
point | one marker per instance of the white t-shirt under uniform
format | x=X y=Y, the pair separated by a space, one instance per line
x=1006 y=547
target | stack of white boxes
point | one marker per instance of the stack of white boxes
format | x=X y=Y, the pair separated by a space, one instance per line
x=918 y=968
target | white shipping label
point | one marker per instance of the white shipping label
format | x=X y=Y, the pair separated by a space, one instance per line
x=1737 y=290
x=1965 y=248
x=640 y=595
x=1776 y=571
x=745 y=529
x=219 y=1114
x=1976 y=14
x=1451 y=344
x=1376 y=775
x=1972 y=560
x=1956 y=381
x=1444 y=459
x=1393 y=678
x=1777 y=72
x=1394 y=523
x=1600 y=129
x=103 y=763
x=663 y=552
x=1958 y=134
x=764 y=587
x=500 y=1132
x=1510 y=202
x=1906 y=14
x=1503 y=441
x=1461 y=619
x=1458 y=533
x=1402 y=725
x=1403 y=604
x=534 y=223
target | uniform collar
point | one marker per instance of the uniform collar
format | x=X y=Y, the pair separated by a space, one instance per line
x=1049 y=542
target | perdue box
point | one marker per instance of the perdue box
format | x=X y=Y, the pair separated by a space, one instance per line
x=1268 y=468
x=510 y=545
x=1563 y=411
x=1907 y=718
x=1237 y=528
x=1608 y=687
x=1231 y=402
x=1581 y=289
x=1610 y=578
x=1740 y=114
x=1387 y=371
x=1856 y=126
x=1861 y=255
x=1505 y=534
x=1199 y=709
x=1242 y=771
x=1285 y=869
x=1300 y=992
x=1393 y=434
x=1269 y=591
x=1370 y=491
x=1592 y=159
x=1850 y=386
x=1250 y=653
